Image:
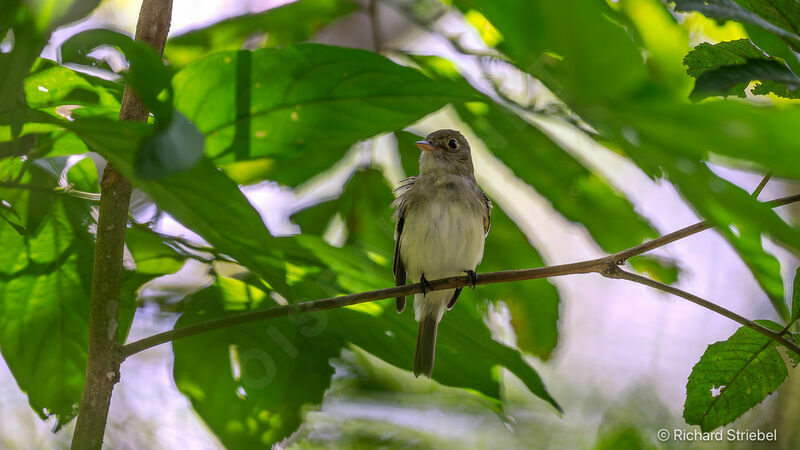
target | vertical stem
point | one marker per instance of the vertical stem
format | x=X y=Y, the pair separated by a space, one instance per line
x=372 y=9
x=102 y=369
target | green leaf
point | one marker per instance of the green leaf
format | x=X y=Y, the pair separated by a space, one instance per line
x=83 y=176
x=280 y=104
x=275 y=27
x=786 y=90
x=176 y=148
x=265 y=374
x=53 y=85
x=758 y=14
x=40 y=202
x=708 y=57
x=409 y=153
x=733 y=376
x=45 y=282
x=728 y=67
x=660 y=269
x=581 y=53
x=151 y=254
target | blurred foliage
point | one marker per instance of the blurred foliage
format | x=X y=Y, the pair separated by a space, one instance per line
x=294 y=22
x=262 y=377
x=245 y=100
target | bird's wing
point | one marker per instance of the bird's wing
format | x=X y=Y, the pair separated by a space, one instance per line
x=487 y=219
x=398 y=268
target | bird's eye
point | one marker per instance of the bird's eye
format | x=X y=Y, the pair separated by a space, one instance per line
x=452 y=144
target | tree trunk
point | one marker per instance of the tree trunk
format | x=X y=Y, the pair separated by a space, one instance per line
x=102 y=369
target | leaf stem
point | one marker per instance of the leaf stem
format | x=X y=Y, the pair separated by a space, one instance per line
x=607 y=265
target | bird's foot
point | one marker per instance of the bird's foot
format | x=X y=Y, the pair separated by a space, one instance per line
x=426 y=286
x=473 y=278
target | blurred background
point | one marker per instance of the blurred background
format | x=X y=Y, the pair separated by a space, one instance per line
x=624 y=351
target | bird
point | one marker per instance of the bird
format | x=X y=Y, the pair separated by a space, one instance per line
x=442 y=220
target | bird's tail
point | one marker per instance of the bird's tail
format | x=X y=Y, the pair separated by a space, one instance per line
x=426 y=345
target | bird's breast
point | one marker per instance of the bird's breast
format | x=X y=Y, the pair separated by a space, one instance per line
x=442 y=236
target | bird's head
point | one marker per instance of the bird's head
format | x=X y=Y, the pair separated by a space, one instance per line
x=445 y=152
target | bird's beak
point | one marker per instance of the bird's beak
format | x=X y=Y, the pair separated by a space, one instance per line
x=425 y=146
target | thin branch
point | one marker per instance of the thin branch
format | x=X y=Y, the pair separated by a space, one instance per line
x=30 y=187
x=346 y=300
x=762 y=184
x=375 y=25
x=616 y=272
x=598 y=265
x=55 y=190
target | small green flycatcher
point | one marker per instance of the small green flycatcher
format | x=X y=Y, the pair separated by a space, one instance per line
x=442 y=221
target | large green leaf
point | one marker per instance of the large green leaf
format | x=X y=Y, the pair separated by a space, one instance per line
x=287 y=24
x=728 y=67
x=279 y=104
x=45 y=284
x=45 y=281
x=265 y=374
x=733 y=376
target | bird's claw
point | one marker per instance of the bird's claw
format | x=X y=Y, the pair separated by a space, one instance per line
x=425 y=284
x=473 y=278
